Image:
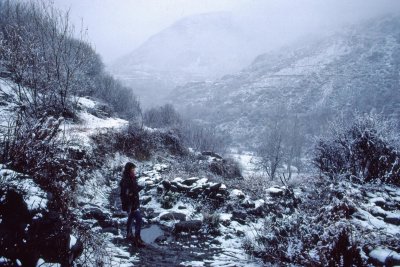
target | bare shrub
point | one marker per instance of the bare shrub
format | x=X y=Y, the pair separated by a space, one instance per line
x=365 y=149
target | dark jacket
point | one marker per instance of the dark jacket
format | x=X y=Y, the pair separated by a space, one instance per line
x=129 y=193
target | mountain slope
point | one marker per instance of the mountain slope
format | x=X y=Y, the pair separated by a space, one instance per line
x=356 y=69
x=199 y=47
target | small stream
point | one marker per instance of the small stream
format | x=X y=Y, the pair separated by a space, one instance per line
x=149 y=235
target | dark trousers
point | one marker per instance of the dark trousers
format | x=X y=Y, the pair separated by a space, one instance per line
x=134 y=214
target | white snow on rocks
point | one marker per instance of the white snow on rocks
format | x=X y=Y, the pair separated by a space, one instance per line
x=34 y=196
x=381 y=255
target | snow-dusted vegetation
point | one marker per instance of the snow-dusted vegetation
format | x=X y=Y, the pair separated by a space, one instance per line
x=254 y=169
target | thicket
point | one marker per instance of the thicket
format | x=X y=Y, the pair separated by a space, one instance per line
x=196 y=135
x=50 y=67
x=365 y=149
x=139 y=143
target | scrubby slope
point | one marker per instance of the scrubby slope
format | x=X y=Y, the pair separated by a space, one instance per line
x=356 y=69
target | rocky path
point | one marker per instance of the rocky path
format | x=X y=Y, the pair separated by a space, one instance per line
x=175 y=230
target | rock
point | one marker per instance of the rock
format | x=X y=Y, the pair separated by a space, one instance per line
x=225 y=219
x=258 y=212
x=145 y=200
x=119 y=214
x=379 y=201
x=76 y=249
x=190 y=181
x=211 y=154
x=173 y=216
x=239 y=216
x=378 y=211
x=166 y=184
x=188 y=226
x=160 y=189
x=111 y=230
x=180 y=187
x=235 y=193
x=50 y=239
x=94 y=213
x=393 y=260
x=161 y=239
x=240 y=233
x=275 y=192
x=107 y=223
x=393 y=219
x=173 y=188
x=383 y=256
x=195 y=192
x=248 y=204
x=215 y=188
x=181 y=208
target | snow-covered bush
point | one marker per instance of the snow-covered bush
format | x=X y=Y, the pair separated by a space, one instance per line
x=203 y=137
x=367 y=149
x=121 y=98
x=310 y=235
x=139 y=143
x=40 y=53
x=162 y=117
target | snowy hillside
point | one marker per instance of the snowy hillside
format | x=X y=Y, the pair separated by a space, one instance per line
x=356 y=69
x=195 y=48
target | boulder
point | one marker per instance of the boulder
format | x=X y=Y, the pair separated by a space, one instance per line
x=119 y=214
x=275 y=192
x=176 y=216
x=248 y=204
x=215 y=187
x=195 y=192
x=190 y=181
x=166 y=184
x=238 y=194
x=211 y=154
x=161 y=239
x=393 y=219
x=260 y=211
x=188 y=226
x=181 y=187
x=384 y=257
x=239 y=216
x=94 y=213
x=145 y=200
x=107 y=223
x=111 y=230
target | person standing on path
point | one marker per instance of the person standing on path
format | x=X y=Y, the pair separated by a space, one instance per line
x=130 y=203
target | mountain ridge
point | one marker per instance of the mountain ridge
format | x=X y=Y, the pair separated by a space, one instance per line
x=355 y=69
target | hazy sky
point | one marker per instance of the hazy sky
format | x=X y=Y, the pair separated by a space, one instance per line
x=117 y=27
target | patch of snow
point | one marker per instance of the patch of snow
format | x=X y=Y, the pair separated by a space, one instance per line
x=381 y=254
x=373 y=223
x=34 y=196
x=86 y=102
x=178 y=180
x=377 y=199
x=225 y=217
x=193 y=263
x=42 y=263
x=259 y=202
x=72 y=241
x=236 y=193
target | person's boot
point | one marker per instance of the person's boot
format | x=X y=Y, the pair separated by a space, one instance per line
x=138 y=242
x=129 y=236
